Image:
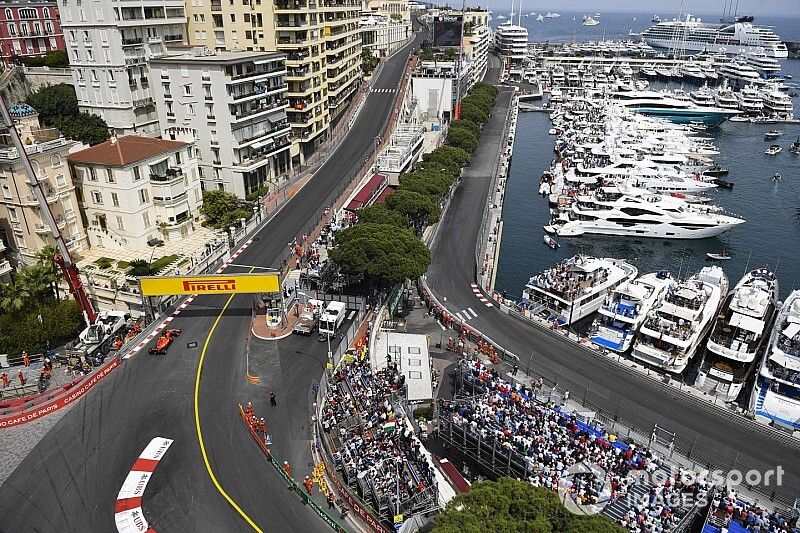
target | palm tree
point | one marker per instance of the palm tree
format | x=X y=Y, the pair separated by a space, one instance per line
x=14 y=296
x=39 y=281
x=46 y=257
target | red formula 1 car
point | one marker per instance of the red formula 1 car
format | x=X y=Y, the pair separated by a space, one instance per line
x=165 y=341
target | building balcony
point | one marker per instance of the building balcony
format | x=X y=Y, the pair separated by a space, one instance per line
x=155 y=40
x=298 y=6
x=172 y=175
x=134 y=60
x=143 y=102
x=258 y=90
x=340 y=5
x=256 y=111
x=173 y=37
x=292 y=42
x=269 y=148
x=216 y=5
x=254 y=74
x=244 y=137
x=170 y=202
x=289 y=25
x=130 y=41
x=5 y=267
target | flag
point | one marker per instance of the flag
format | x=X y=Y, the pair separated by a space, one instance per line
x=389 y=426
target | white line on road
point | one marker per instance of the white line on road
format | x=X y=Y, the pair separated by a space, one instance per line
x=474 y=314
x=461 y=318
x=351 y=314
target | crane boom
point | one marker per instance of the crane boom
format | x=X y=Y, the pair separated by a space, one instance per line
x=62 y=258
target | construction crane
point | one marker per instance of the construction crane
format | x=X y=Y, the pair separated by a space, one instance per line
x=62 y=257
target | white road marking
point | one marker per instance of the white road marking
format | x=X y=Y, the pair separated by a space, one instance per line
x=351 y=314
x=474 y=314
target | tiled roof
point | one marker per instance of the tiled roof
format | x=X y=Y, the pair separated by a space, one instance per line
x=125 y=151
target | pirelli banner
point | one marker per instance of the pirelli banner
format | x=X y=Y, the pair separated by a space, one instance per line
x=222 y=284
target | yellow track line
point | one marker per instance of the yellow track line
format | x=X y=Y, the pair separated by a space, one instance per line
x=197 y=421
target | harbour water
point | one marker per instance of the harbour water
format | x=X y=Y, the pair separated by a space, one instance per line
x=771 y=235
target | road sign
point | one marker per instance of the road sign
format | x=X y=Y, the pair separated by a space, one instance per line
x=222 y=284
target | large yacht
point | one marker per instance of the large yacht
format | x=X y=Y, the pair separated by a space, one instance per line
x=625 y=210
x=738 y=335
x=726 y=99
x=777 y=103
x=730 y=36
x=739 y=73
x=768 y=67
x=776 y=395
x=657 y=104
x=750 y=100
x=672 y=332
x=512 y=41
x=575 y=288
x=624 y=311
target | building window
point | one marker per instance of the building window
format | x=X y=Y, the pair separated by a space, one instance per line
x=89 y=55
x=146 y=220
x=136 y=175
x=6 y=192
x=46 y=12
x=190 y=109
x=9 y=15
x=144 y=197
x=27 y=13
x=12 y=29
x=97 y=197
x=187 y=90
x=99 y=13
x=184 y=71
x=61 y=181
x=110 y=176
x=92 y=174
x=104 y=36
x=12 y=212
x=55 y=160
x=120 y=224
x=114 y=199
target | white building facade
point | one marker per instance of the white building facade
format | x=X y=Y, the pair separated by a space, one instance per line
x=109 y=44
x=476 y=41
x=233 y=104
x=381 y=35
x=135 y=190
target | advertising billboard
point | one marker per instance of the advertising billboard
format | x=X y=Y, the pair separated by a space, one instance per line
x=221 y=284
x=447 y=30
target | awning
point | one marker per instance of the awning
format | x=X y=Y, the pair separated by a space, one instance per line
x=367 y=194
x=261 y=144
x=791 y=330
x=792 y=363
x=747 y=322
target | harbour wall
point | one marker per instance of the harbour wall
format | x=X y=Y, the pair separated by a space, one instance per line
x=794 y=48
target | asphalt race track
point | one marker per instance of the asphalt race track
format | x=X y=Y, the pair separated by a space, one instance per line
x=70 y=480
x=725 y=439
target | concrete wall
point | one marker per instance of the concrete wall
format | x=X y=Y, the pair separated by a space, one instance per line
x=39 y=77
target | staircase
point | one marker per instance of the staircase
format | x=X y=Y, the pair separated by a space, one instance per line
x=637 y=493
x=759 y=407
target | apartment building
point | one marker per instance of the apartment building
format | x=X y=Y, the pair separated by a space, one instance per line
x=380 y=34
x=28 y=28
x=234 y=105
x=135 y=190
x=476 y=41
x=322 y=43
x=109 y=44
x=20 y=213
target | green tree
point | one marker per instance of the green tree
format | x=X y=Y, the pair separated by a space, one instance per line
x=54 y=101
x=56 y=59
x=472 y=112
x=139 y=268
x=429 y=183
x=512 y=506
x=14 y=296
x=382 y=251
x=462 y=138
x=39 y=281
x=467 y=125
x=217 y=207
x=380 y=214
x=419 y=208
x=84 y=127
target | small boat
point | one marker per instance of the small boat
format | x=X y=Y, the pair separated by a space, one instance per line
x=716 y=171
x=656 y=19
x=724 y=184
x=771 y=135
x=795 y=147
x=774 y=149
x=724 y=255
x=551 y=242
x=776 y=176
x=738 y=118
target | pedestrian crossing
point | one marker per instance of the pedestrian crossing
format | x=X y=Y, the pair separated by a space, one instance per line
x=383 y=90
x=477 y=291
x=466 y=314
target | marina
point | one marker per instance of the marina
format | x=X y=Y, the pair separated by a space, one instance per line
x=645 y=154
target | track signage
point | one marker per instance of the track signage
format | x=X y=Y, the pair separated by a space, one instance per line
x=222 y=284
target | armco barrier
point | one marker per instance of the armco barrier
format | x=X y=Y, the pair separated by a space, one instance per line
x=69 y=397
x=317 y=509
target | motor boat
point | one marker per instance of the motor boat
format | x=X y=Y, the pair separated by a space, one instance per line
x=589 y=21
x=771 y=135
x=724 y=255
x=777 y=104
x=703 y=97
x=625 y=309
x=795 y=147
x=648 y=71
x=692 y=72
x=551 y=242
x=723 y=184
x=656 y=19
x=774 y=149
x=673 y=330
x=739 y=332
x=625 y=210
x=750 y=100
x=716 y=171
x=675 y=107
x=776 y=395
x=776 y=176
x=726 y=99
x=574 y=288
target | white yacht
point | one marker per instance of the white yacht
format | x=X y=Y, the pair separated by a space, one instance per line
x=573 y=78
x=692 y=72
x=552 y=15
x=726 y=99
x=776 y=395
x=703 y=97
x=777 y=104
x=574 y=288
x=589 y=21
x=767 y=66
x=649 y=71
x=624 y=210
x=750 y=100
x=740 y=73
x=671 y=107
x=731 y=36
x=738 y=335
x=672 y=332
x=623 y=312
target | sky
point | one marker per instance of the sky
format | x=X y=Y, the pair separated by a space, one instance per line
x=663 y=7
